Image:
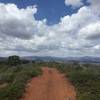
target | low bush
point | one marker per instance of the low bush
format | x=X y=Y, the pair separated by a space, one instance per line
x=85 y=78
x=16 y=79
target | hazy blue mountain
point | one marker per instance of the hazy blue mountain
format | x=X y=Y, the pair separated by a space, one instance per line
x=86 y=59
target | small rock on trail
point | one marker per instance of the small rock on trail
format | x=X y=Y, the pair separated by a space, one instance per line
x=50 y=86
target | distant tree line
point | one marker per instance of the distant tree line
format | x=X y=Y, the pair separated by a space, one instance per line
x=16 y=60
x=13 y=61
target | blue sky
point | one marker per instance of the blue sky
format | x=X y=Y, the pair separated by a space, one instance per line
x=52 y=10
x=50 y=27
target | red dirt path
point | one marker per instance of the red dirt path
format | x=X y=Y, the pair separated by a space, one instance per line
x=52 y=85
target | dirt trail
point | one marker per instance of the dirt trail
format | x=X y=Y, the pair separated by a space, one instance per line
x=50 y=86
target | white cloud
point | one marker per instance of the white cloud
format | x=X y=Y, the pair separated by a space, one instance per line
x=91 y=31
x=95 y=5
x=21 y=33
x=17 y=22
x=74 y=3
x=97 y=47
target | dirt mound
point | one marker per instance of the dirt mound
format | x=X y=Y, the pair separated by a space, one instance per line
x=50 y=86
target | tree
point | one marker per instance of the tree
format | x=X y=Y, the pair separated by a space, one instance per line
x=14 y=60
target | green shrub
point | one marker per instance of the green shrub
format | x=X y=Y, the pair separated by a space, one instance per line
x=14 y=60
x=85 y=78
x=16 y=78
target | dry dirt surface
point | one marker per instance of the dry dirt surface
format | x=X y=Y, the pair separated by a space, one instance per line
x=52 y=85
x=3 y=85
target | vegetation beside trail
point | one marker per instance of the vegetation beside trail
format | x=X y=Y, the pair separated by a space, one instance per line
x=85 y=78
x=15 y=73
x=14 y=76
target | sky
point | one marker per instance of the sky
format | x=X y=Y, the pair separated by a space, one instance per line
x=60 y=28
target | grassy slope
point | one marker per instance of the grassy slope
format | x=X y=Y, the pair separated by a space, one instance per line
x=86 y=79
x=16 y=78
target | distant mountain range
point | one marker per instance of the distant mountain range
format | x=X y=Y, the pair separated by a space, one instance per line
x=86 y=59
x=3 y=58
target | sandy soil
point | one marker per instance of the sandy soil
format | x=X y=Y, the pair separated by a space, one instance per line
x=52 y=85
x=3 y=85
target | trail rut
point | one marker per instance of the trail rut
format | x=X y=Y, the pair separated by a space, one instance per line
x=52 y=85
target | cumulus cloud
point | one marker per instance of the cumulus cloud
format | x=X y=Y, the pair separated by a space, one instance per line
x=16 y=22
x=76 y=34
x=74 y=3
x=95 y=5
x=91 y=31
